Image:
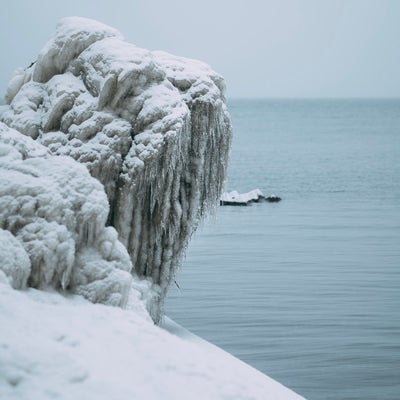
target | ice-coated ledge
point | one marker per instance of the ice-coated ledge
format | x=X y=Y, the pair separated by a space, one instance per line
x=152 y=128
x=57 y=213
x=67 y=348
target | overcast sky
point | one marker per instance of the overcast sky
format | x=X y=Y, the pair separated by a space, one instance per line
x=263 y=48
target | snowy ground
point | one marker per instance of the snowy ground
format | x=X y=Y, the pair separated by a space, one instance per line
x=52 y=347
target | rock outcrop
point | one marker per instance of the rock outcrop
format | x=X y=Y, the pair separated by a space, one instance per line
x=151 y=128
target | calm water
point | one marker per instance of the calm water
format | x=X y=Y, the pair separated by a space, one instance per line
x=306 y=290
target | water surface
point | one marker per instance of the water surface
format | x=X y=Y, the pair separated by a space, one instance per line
x=306 y=290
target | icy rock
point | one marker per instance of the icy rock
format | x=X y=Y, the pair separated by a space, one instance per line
x=151 y=127
x=273 y=199
x=241 y=199
x=15 y=266
x=235 y=198
x=73 y=36
x=52 y=225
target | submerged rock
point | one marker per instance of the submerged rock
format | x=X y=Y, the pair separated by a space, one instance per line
x=152 y=128
x=273 y=199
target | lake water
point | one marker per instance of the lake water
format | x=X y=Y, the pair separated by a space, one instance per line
x=306 y=290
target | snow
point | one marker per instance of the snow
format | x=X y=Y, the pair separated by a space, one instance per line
x=15 y=266
x=152 y=128
x=241 y=198
x=73 y=35
x=67 y=348
x=53 y=225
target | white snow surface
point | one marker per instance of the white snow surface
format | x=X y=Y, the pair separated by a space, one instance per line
x=152 y=128
x=53 y=347
x=15 y=266
x=53 y=225
x=236 y=197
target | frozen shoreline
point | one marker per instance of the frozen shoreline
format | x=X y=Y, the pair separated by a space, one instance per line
x=68 y=348
x=110 y=155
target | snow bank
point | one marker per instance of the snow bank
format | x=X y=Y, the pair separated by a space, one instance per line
x=66 y=348
x=151 y=127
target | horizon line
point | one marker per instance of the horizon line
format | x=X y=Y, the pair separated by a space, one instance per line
x=312 y=97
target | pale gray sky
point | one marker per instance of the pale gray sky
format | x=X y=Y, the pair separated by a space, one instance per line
x=263 y=48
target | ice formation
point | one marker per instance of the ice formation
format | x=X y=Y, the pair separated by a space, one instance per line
x=52 y=224
x=153 y=130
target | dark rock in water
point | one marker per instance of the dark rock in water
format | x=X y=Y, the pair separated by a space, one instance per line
x=233 y=203
x=273 y=199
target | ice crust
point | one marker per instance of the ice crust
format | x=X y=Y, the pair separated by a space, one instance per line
x=15 y=266
x=57 y=212
x=153 y=130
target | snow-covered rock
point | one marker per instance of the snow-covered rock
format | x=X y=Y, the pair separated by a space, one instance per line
x=235 y=198
x=15 y=266
x=151 y=127
x=53 y=225
x=241 y=199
